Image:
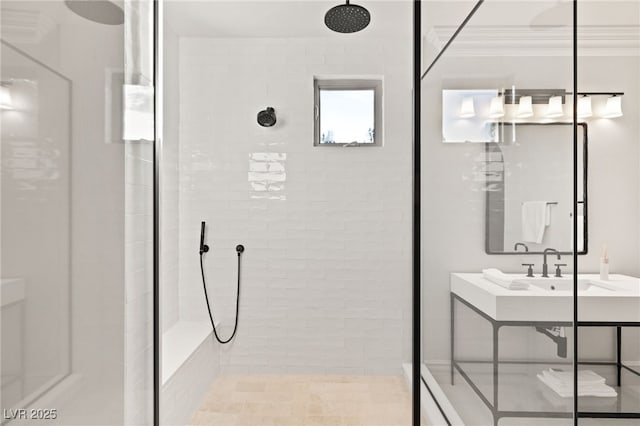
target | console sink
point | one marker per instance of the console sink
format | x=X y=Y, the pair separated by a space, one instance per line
x=551 y=299
x=566 y=285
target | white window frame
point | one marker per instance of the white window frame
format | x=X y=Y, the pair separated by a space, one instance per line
x=374 y=84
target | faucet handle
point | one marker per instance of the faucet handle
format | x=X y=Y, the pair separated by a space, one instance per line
x=530 y=269
x=558 y=271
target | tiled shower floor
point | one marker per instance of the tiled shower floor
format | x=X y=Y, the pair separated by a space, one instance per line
x=271 y=400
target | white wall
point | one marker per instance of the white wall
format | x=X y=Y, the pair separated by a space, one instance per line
x=453 y=200
x=326 y=275
x=138 y=332
x=169 y=197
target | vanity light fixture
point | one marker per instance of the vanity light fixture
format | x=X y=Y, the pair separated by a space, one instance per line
x=584 y=107
x=496 y=109
x=525 y=107
x=613 y=108
x=554 y=109
x=6 y=102
x=467 y=110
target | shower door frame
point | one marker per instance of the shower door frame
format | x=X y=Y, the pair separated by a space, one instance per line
x=157 y=149
x=416 y=313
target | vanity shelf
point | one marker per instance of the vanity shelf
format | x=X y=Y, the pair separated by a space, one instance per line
x=520 y=391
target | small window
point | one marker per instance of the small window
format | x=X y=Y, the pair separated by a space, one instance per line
x=348 y=112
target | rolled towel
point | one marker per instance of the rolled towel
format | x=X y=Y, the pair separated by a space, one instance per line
x=498 y=277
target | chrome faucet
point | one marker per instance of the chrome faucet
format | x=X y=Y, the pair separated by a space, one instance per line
x=544 y=256
x=515 y=247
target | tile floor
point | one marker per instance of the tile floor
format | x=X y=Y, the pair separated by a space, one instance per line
x=270 y=400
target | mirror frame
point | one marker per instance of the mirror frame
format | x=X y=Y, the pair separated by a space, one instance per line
x=585 y=173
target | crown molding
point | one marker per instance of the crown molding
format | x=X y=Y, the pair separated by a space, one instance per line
x=512 y=40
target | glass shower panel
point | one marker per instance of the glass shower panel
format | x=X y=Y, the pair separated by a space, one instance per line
x=609 y=305
x=76 y=260
x=497 y=215
x=36 y=258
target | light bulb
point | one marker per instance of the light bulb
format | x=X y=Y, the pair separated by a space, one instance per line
x=496 y=110
x=584 y=107
x=613 y=108
x=467 y=109
x=555 y=107
x=525 y=107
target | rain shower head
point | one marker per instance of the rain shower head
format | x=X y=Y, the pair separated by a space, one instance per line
x=347 y=18
x=267 y=117
x=100 y=11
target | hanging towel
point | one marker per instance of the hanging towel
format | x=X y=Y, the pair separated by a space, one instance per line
x=536 y=216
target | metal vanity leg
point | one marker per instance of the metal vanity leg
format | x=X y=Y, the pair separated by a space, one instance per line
x=618 y=353
x=496 y=331
x=452 y=334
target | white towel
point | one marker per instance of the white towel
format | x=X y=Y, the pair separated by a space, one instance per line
x=498 y=277
x=536 y=216
x=589 y=383
x=585 y=377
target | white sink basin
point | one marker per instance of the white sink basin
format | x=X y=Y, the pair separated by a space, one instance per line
x=566 y=285
x=551 y=299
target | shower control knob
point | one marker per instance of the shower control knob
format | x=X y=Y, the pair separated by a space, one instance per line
x=239 y=249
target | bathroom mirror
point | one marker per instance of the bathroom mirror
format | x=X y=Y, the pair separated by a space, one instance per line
x=529 y=189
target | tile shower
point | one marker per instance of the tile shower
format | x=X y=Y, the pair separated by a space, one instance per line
x=326 y=273
x=105 y=321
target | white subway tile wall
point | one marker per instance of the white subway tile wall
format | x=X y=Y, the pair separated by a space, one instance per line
x=138 y=261
x=169 y=188
x=326 y=275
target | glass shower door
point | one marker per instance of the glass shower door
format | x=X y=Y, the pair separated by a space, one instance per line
x=497 y=234
x=76 y=204
x=608 y=303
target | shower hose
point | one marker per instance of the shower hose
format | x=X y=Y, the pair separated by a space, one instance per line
x=239 y=250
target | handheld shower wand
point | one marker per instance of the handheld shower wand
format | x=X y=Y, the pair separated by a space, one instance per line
x=203 y=249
